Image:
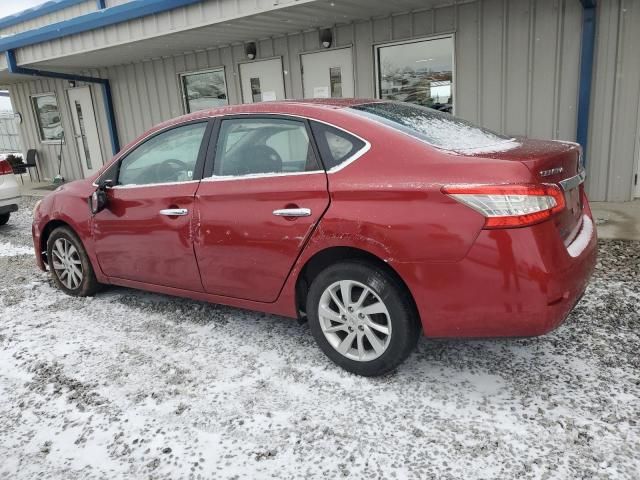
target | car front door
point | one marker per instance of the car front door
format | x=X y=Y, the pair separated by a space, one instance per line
x=145 y=232
x=262 y=195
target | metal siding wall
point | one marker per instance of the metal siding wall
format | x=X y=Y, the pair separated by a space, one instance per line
x=467 y=63
x=60 y=15
x=517 y=64
x=614 y=128
x=566 y=121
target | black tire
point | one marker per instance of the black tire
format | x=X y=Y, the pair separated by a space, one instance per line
x=405 y=325
x=4 y=218
x=88 y=286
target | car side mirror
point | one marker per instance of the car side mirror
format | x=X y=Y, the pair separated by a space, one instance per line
x=98 y=199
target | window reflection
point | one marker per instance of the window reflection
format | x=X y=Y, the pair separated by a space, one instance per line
x=418 y=72
x=48 y=117
x=204 y=90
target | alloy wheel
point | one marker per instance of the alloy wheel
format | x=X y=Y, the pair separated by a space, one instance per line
x=67 y=264
x=354 y=320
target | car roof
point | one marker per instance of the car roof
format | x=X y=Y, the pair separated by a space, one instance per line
x=300 y=107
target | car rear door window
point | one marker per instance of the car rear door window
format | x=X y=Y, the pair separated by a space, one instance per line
x=336 y=146
x=257 y=146
x=168 y=157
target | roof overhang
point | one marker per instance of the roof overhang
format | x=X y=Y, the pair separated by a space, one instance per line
x=130 y=10
x=41 y=10
x=88 y=49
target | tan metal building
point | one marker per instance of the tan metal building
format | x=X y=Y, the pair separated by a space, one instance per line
x=88 y=76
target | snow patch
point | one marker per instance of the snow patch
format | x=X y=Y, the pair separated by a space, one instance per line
x=454 y=135
x=503 y=146
x=9 y=250
x=581 y=242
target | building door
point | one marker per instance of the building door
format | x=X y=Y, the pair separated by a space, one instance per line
x=262 y=81
x=85 y=129
x=328 y=74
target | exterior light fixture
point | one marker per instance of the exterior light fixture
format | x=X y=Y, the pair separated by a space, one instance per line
x=326 y=37
x=250 y=50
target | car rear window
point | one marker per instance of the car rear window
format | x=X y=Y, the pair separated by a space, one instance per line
x=436 y=128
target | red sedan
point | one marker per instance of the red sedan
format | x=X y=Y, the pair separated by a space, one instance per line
x=373 y=220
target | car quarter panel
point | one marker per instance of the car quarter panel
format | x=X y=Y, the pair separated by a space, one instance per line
x=513 y=282
x=391 y=199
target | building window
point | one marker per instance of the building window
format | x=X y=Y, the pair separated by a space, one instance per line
x=48 y=117
x=202 y=90
x=419 y=72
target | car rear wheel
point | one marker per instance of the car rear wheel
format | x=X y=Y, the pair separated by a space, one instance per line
x=4 y=218
x=362 y=318
x=69 y=264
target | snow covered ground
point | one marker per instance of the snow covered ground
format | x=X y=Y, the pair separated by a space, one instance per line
x=135 y=385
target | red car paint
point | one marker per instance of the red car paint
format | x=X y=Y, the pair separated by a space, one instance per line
x=466 y=281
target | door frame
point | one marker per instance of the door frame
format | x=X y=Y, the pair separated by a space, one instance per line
x=636 y=174
x=276 y=57
x=330 y=49
x=73 y=128
x=635 y=178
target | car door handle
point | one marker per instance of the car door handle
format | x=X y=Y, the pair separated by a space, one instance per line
x=292 y=212
x=174 y=212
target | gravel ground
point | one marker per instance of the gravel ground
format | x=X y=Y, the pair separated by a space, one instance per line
x=136 y=385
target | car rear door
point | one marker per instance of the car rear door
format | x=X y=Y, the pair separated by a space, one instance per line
x=262 y=195
x=145 y=232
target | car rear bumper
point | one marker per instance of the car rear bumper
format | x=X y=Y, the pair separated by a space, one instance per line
x=8 y=205
x=512 y=283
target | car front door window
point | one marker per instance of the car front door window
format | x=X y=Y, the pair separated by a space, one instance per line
x=168 y=157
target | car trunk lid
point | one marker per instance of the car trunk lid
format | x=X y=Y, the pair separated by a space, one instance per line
x=558 y=163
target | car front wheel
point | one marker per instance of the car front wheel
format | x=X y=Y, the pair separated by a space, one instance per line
x=4 y=218
x=69 y=264
x=362 y=318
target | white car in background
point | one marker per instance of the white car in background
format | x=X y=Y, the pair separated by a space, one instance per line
x=9 y=191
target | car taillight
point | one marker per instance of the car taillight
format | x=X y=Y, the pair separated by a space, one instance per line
x=510 y=206
x=5 y=168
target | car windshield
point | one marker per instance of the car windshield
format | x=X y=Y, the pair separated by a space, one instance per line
x=436 y=128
